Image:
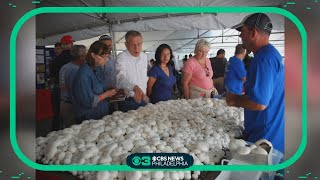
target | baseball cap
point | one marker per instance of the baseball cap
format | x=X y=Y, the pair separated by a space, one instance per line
x=104 y=37
x=66 y=40
x=258 y=20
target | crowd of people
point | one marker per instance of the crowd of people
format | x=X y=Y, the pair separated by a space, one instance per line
x=84 y=82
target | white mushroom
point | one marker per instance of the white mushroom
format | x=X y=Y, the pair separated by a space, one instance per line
x=259 y=150
x=244 y=150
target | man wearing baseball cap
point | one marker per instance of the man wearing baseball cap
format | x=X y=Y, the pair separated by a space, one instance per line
x=109 y=67
x=55 y=66
x=109 y=70
x=264 y=98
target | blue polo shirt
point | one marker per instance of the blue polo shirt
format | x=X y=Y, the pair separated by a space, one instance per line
x=163 y=87
x=66 y=75
x=265 y=85
x=234 y=73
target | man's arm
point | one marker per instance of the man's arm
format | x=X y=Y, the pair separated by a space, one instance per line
x=243 y=101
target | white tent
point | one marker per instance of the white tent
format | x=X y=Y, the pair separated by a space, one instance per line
x=180 y=31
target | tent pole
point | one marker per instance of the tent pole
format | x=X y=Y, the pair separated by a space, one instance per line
x=114 y=48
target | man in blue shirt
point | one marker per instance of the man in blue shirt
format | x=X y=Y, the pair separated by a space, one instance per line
x=235 y=73
x=66 y=78
x=264 y=98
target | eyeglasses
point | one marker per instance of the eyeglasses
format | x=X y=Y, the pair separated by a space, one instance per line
x=104 y=56
x=206 y=69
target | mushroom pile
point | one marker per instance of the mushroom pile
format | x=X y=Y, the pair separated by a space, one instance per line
x=199 y=127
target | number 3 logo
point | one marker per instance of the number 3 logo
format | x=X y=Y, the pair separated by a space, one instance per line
x=145 y=160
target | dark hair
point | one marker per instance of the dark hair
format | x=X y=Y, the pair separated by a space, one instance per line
x=104 y=37
x=159 y=51
x=98 y=48
x=132 y=33
x=57 y=44
x=239 y=49
x=221 y=51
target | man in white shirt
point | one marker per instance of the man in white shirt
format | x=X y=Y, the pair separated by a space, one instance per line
x=131 y=67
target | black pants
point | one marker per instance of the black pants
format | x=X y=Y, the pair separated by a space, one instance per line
x=56 y=122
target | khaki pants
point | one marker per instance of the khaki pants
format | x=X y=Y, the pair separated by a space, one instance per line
x=219 y=84
x=196 y=92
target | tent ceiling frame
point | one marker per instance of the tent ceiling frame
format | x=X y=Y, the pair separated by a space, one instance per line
x=181 y=39
x=191 y=40
x=99 y=17
x=87 y=14
x=88 y=5
x=185 y=48
x=117 y=21
x=143 y=18
x=104 y=15
x=121 y=39
x=219 y=36
x=68 y=30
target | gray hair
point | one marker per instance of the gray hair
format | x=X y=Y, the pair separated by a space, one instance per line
x=77 y=51
x=132 y=33
x=202 y=43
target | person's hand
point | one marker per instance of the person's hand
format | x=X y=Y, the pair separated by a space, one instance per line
x=146 y=99
x=231 y=99
x=110 y=93
x=138 y=94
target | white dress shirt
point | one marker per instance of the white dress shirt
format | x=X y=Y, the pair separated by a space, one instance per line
x=132 y=71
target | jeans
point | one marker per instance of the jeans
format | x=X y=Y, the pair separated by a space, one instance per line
x=130 y=104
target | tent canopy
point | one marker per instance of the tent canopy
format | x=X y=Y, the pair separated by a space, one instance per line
x=180 y=31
